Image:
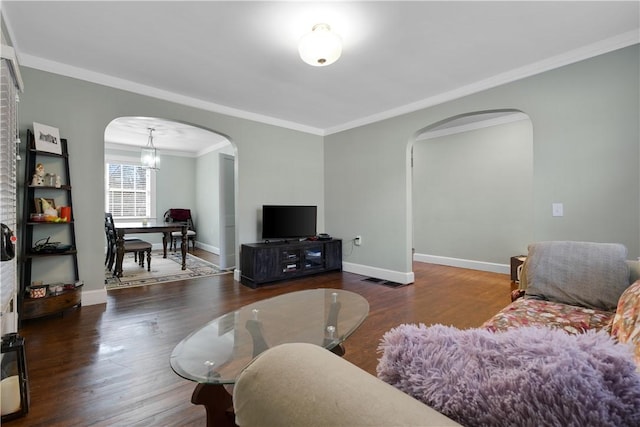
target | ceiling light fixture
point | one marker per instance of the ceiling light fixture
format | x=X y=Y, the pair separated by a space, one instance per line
x=320 y=47
x=149 y=155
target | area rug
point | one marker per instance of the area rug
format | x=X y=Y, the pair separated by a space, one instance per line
x=162 y=270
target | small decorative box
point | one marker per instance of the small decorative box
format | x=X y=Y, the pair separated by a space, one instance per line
x=38 y=291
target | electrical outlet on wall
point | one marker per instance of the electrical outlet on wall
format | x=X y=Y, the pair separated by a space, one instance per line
x=357 y=241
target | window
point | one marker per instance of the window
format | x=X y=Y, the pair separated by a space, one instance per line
x=129 y=190
x=8 y=171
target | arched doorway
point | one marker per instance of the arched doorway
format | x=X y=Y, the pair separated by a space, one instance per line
x=191 y=175
x=472 y=189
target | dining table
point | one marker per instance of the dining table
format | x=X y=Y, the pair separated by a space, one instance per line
x=151 y=226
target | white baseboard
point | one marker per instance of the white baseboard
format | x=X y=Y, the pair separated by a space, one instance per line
x=208 y=248
x=94 y=297
x=363 y=270
x=464 y=263
x=379 y=273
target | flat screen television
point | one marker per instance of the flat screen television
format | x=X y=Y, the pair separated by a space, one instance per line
x=288 y=222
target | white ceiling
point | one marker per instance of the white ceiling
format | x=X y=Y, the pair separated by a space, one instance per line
x=181 y=139
x=241 y=57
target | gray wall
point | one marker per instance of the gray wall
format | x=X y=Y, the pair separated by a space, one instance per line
x=175 y=184
x=585 y=155
x=473 y=193
x=273 y=164
x=208 y=200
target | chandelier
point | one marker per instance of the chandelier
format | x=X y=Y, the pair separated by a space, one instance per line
x=149 y=155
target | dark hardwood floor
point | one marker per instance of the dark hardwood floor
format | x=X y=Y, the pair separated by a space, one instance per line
x=109 y=365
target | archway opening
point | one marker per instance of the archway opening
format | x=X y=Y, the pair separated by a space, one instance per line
x=192 y=174
x=472 y=190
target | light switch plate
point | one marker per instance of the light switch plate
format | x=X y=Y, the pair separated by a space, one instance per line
x=557 y=209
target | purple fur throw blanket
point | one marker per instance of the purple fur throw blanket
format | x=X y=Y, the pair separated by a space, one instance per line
x=522 y=377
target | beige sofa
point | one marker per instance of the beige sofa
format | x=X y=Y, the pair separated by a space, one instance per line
x=305 y=385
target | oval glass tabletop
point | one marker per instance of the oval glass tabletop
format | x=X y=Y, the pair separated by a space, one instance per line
x=217 y=352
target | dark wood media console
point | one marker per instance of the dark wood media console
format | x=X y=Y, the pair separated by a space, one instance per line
x=262 y=263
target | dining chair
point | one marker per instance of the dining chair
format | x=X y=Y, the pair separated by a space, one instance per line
x=131 y=244
x=109 y=257
x=181 y=215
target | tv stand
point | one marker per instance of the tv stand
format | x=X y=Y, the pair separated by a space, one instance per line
x=263 y=263
x=276 y=242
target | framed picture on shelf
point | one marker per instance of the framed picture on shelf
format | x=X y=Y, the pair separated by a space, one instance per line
x=47 y=138
x=41 y=205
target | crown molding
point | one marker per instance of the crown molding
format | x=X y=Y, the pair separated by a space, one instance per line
x=129 y=86
x=137 y=148
x=604 y=46
x=599 y=48
x=168 y=152
x=503 y=120
x=220 y=145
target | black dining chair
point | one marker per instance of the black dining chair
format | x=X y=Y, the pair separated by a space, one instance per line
x=109 y=257
x=181 y=215
x=131 y=244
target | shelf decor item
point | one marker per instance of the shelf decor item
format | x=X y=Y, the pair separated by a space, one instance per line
x=43 y=204
x=45 y=246
x=65 y=213
x=38 y=176
x=47 y=138
x=38 y=291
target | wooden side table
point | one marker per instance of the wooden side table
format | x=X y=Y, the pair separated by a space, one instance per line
x=516 y=261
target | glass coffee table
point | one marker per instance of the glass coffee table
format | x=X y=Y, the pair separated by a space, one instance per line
x=214 y=355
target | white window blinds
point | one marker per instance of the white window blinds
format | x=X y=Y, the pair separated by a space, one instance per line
x=128 y=191
x=8 y=205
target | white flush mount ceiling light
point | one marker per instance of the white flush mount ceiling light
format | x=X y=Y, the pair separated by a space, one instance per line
x=320 y=47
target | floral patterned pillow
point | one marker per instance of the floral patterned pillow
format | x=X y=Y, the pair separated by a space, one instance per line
x=626 y=323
